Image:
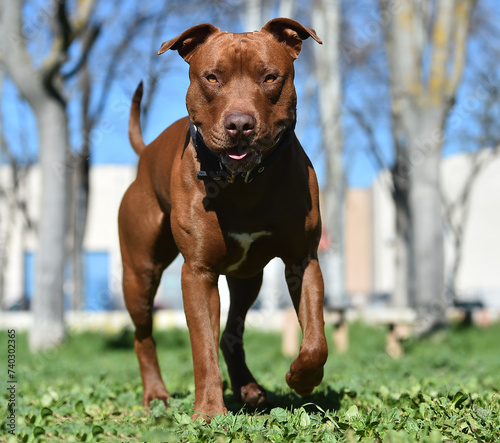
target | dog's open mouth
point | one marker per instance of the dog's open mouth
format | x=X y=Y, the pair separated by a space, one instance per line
x=240 y=159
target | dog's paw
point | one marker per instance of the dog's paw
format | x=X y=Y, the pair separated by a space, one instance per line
x=253 y=395
x=304 y=381
x=159 y=393
x=206 y=417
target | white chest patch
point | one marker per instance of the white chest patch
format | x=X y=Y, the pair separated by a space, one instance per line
x=245 y=241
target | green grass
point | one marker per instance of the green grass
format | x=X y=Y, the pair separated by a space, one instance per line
x=445 y=388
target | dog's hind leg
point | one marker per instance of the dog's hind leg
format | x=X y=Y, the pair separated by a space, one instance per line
x=147 y=249
x=139 y=288
x=243 y=293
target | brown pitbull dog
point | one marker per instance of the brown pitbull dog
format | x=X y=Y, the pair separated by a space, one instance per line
x=230 y=187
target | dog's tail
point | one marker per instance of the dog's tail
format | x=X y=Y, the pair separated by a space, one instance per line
x=134 y=123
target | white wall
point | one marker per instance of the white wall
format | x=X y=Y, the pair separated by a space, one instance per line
x=383 y=214
x=480 y=271
x=107 y=186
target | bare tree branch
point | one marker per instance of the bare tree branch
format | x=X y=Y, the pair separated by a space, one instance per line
x=65 y=28
x=85 y=9
x=114 y=64
x=373 y=146
x=461 y=16
x=152 y=72
x=19 y=63
x=67 y=31
x=440 y=43
x=88 y=41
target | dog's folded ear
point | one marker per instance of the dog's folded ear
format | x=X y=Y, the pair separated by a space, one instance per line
x=187 y=42
x=291 y=33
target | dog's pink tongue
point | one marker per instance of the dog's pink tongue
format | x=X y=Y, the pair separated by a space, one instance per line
x=237 y=156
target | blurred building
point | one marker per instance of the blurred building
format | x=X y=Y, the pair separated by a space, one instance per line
x=369 y=240
x=359 y=243
x=101 y=250
x=478 y=278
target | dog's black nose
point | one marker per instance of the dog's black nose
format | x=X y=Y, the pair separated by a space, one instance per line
x=239 y=123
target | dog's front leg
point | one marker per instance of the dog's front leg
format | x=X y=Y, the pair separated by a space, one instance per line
x=202 y=308
x=305 y=283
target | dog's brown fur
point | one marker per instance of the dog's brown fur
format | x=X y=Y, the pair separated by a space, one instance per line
x=262 y=203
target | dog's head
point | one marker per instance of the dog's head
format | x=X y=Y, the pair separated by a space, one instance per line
x=241 y=95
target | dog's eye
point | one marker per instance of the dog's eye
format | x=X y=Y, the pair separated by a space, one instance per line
x=211 y=78
x=270 y=78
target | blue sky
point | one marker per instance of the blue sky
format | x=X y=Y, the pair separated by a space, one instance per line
x=109 y=138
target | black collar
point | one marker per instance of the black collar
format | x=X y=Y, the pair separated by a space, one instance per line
x=211 y=168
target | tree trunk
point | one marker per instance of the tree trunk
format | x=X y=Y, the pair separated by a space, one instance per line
x=326 y=22
x=419 y=223
x=426 y=289
x=48 y=304
x=3 y=231
x=426 y=43
x=400 y=299
x=81 y=196
x=80 y=210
